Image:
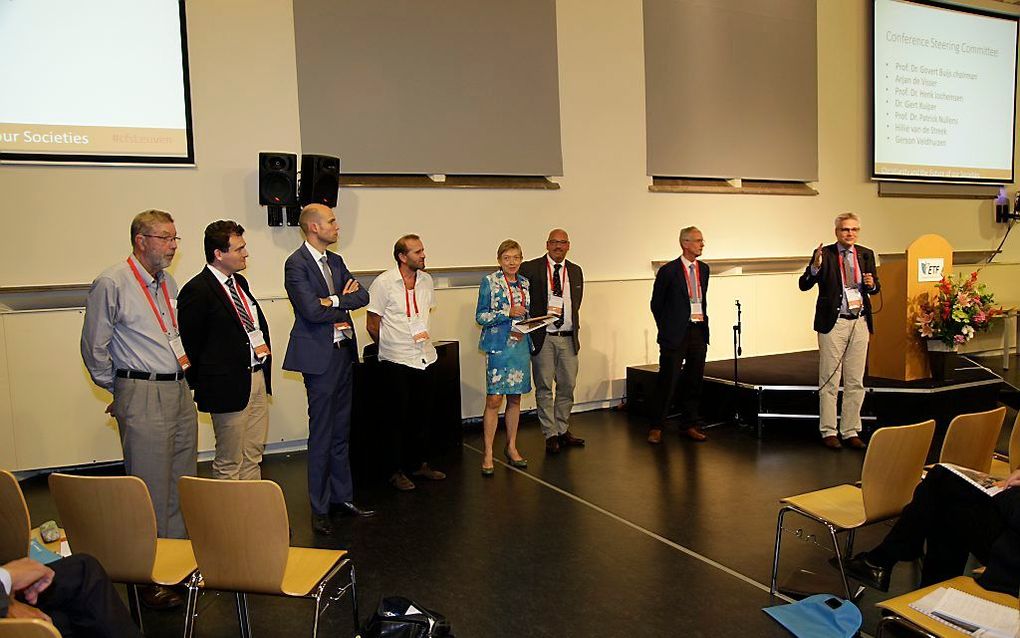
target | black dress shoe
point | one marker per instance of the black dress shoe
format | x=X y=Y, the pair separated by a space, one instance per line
x=872 y=575
x=552 y=445
x=159 y=597
x=322 y=525
x=569 y=440
x=348 y=508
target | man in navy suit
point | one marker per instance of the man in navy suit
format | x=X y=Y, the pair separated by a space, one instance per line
x=323 y=349
x=680 y=306
x=226 y=337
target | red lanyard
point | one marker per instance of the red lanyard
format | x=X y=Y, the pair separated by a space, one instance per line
x=697 y=279
x=510 y=292
x=563 y=277
x=247 y=308
x=152 y=302
x=413 y=295
x=842 y=267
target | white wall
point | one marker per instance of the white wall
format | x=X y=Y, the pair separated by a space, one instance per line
x=65 y=224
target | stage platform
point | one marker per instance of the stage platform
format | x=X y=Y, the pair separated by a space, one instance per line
x=783 y=387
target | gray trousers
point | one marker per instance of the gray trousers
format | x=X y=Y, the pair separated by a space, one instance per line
x=555 y=362
x=241 y=436
x=849 y=336
x=159 y=434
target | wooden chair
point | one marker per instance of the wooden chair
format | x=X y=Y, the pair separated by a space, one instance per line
x=899 y=612
x=240 y=532
x=27 y=628
x=1002 y=467
x=892 y=469
x=111 y=518
x=971 y=438
x=15 y=524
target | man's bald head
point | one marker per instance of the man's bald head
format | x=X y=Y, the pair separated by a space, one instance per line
x=319 y=225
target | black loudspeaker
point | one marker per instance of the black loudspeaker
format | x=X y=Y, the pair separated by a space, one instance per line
x=277 y=179
x=320 y=180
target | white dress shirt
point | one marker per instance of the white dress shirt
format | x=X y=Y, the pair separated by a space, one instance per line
x=317 y=256
x=5 y=580
x=220 y=277
x=568 y=320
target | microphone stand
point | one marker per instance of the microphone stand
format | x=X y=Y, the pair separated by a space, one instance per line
x=737 y=351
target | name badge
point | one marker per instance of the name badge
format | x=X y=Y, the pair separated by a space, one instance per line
x=419 y=331
x=177 y=346
x=342 y=331
x=258 y=344
x=555 y=305
x=854 y=300
x=697 y=314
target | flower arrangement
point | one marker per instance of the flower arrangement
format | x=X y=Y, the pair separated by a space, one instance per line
x=961 y=308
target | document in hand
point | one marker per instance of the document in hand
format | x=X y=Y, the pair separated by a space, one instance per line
x=969 y=613
x=529 y=325
x=980 y=480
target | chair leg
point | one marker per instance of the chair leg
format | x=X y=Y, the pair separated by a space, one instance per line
x=848 y=553
x=839 y=561
x=779 y=539
x=134 y=603
x=242 y=615
x=354 y=601
x=191 y=606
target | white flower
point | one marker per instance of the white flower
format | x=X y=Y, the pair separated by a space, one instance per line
x=515 y=377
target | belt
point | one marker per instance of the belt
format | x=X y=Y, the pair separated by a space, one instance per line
x=561 y=333
x=256 y=368
x=842 y=316
x=150 y=376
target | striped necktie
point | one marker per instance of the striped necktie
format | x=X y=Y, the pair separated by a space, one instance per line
x=242 y=312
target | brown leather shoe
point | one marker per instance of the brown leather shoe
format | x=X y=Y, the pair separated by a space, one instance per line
x=855 y=442
x=427 y=472
x=831 y=442
x=569 y=440
x=694 y=433
x=552 y=445
x=655 y=436
x=159 y=597
x=401 y=482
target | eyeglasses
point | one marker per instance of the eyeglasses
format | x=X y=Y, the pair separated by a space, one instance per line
x=849 y=230
x=559 y=242
x=163 y=238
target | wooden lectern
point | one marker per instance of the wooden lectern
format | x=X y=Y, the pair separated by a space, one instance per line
x=896 y=351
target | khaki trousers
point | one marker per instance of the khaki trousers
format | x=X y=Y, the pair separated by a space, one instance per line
x=241 y=436
x=159 y=434
x=555 y=362
x=849 y=336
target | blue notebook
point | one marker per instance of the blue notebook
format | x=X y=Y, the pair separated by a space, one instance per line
x=38 y=552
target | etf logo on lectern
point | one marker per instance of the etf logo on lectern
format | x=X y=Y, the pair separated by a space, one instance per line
x=930 y=268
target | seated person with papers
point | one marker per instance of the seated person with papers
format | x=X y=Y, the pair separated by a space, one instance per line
x=951 y=516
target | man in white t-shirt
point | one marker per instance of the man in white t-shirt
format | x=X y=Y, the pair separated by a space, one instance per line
x=400 y=301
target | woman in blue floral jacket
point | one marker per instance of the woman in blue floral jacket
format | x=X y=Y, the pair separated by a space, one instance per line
x=502 y=301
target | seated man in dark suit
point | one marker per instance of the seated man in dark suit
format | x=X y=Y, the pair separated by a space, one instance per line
x=73 y=593
x=948 y=519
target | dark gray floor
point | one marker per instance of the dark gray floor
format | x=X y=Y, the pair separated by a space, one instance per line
x=594 y=546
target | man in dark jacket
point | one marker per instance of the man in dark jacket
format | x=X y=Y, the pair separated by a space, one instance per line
x=680 y=306
x=846 y=276
x=948 y=519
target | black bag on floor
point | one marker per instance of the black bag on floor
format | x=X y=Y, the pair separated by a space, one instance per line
x=399 y=617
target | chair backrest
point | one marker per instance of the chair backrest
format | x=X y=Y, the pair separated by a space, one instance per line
x=27 y=628
x=971 y=438
x=892 y=468
x=110 y=517
x=1014 y=445
x=15 y=525
x=239 y=531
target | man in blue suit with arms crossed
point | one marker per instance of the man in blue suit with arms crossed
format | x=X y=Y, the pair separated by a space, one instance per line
x=323 y=349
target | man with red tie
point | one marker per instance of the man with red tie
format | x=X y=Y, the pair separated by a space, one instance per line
x=226 y=337
x=847 y=276
x=680 y=306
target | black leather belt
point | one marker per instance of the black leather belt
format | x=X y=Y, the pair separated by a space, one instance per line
x=255 y=368
x=561 y=333
x=842 y=316
x=150 y=376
